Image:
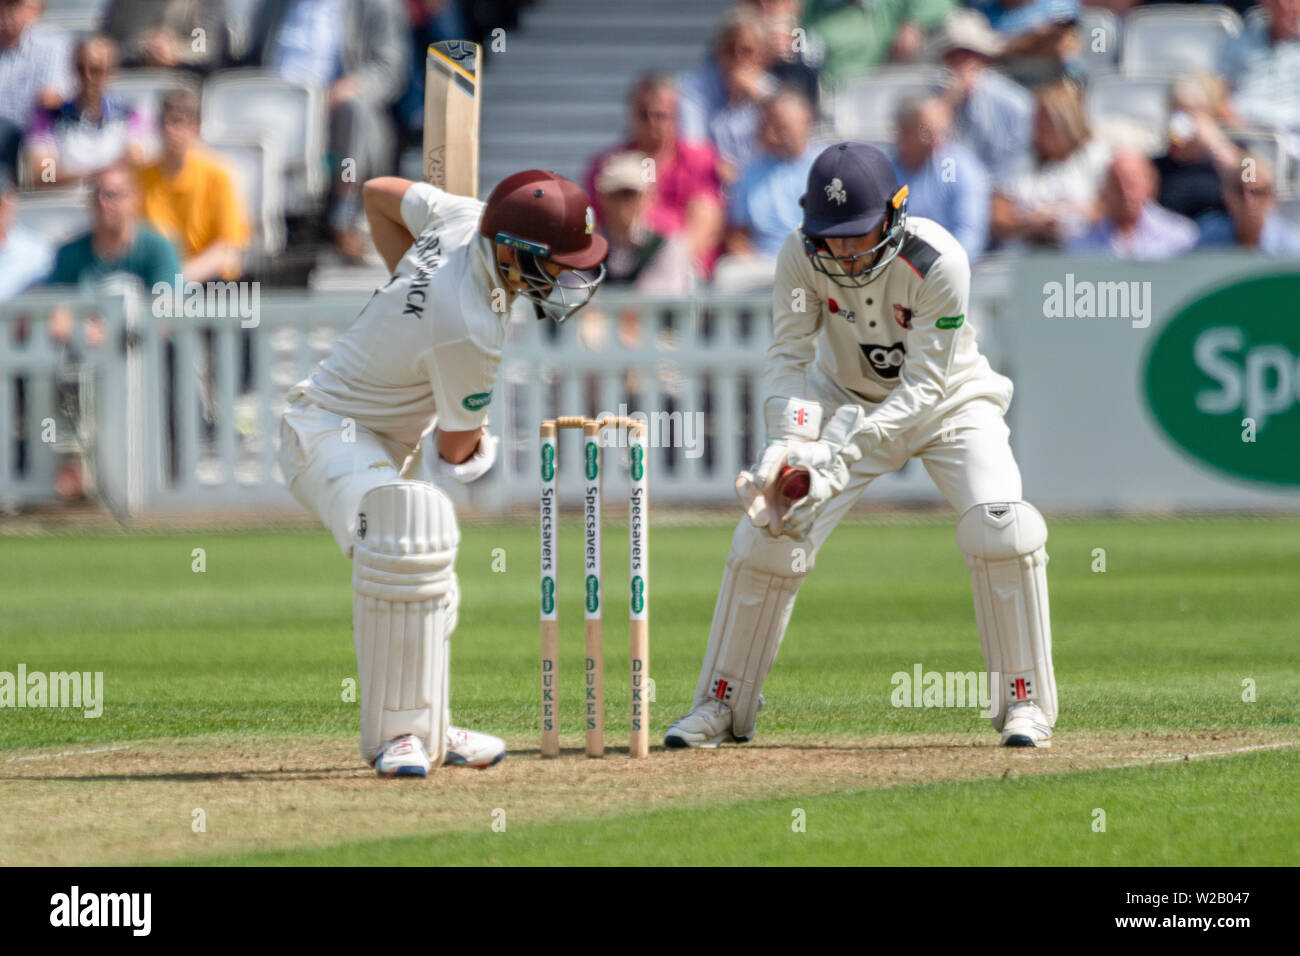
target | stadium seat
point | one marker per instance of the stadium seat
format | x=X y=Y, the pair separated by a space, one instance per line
x=1167 y=40
x=76 y=17
x=1101 y=32
x=291 y=118
x=254 y=165
x=1266 y=144
x=58 y=215
x=239 y=24
x=864 y=108
x=1290 y=210
x=144 y=89
x=1130 y=107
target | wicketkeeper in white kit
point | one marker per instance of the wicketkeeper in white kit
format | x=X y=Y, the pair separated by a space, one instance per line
x=424 y=354
x=874 y=362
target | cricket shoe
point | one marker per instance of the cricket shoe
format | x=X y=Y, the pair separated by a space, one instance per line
x=1026 y=726
x=469 y=748
x=403 y=756
x=707 y=726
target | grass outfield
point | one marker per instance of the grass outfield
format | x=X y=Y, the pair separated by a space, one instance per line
x=224 y=695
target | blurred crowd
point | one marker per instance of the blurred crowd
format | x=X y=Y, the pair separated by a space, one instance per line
x=999 y=148
x=158 y=200
x=996 y=141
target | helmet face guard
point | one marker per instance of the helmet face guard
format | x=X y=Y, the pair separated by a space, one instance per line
x=878 y=256
x=556 y=296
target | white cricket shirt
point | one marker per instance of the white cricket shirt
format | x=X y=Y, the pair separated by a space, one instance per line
x=904 y=341
x=427 y=343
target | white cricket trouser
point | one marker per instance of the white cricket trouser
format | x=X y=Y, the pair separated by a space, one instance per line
x=329 y=463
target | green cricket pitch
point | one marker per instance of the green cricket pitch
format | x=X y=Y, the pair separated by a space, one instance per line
x=229 y=734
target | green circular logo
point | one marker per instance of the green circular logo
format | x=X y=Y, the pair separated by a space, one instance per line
x=638 y=462
x=548 y=462
x=593 y=460
x=593 y=594
x=548 y=594
x=638 y=594
x=1223 y=379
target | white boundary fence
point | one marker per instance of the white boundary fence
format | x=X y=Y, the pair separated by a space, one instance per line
x=182 y=413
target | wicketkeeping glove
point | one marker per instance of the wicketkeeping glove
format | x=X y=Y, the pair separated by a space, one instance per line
x=827 y=462
x=768 y=488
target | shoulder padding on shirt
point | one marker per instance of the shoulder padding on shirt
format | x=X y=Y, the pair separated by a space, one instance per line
x=918 y=254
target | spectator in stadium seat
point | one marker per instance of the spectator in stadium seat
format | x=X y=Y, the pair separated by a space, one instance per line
x=764 y=203
x=91 y=130
x=859 y=36
x=686 y=202
x=946 y=181
x=639 y=257
x=25 y=256
x=1262 y=64
x=1253 y=220
x=719 y=100
x=1198 y=147
x=1041 y=36
x=190 y=198
x=35 y=73
x=1132 y=224
x=795 y=60
x=1053 y=200
x=992 y=115
x=357 y=51
x=118 y=241
x=161 y=33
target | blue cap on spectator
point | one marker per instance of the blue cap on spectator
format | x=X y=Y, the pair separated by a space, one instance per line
x=849 y=187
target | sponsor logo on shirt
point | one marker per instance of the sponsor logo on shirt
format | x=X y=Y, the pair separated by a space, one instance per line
x=950 y=322
x=885 y=360
x=477 y=401
x=903 y=316
x=848 y=314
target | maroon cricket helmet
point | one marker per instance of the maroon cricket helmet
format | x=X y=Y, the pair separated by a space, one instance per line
x=546 y=215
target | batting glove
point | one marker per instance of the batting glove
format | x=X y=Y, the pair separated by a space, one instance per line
x=475 y=466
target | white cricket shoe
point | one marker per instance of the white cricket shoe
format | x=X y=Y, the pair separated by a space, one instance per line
x=706 y=726
x=1026 y=726
x=469 y=748
x=403 y=756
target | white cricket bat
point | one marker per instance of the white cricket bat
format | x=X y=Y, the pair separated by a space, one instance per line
x=451 y=114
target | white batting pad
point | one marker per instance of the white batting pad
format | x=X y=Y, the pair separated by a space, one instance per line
x=1003 y=544
x=749 y=620
x=403 y=612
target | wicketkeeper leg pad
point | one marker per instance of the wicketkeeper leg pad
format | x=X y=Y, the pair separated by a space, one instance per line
x=759 y=586
x=403 y=612
x=1004 y=546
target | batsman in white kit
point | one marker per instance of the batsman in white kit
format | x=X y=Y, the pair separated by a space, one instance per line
x=424 y=355
x=874 y=362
